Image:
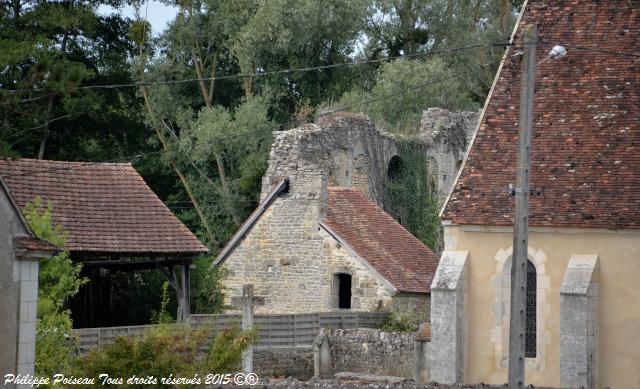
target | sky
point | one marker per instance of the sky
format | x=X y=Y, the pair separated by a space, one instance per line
x=158 y=14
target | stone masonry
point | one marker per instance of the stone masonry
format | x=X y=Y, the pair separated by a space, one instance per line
x=579 y=323
x=347 y=149
x=448 y=317
x=287 y=250
x=368 y=351
x=446 y=136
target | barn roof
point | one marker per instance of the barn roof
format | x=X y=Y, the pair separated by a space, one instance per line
x=586 y=145
x=377 y=238
x=107 y=208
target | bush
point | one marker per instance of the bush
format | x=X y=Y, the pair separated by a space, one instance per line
x=59 y=279
x=396 y=322
x=166 y=351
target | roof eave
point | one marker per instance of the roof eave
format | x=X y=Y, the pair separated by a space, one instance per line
x=282 y=186
x=390 y=287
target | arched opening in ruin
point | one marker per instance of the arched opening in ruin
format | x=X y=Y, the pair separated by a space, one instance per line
x=394 y=169
x=342 y=291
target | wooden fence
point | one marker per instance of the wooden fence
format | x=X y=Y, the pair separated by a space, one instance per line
x=274 y=331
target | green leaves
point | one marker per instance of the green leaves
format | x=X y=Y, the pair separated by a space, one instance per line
x=59 y=279
x=403 y=89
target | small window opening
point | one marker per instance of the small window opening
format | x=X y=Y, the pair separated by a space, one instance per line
x=394 y=168
x=530 y=313
x=343 y=290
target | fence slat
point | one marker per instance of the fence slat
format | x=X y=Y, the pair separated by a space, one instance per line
x=274 y=330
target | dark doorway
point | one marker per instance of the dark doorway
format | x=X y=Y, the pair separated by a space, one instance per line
x=394 y=169
x=344 y=291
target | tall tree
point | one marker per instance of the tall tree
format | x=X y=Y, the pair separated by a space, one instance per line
x=47 y=51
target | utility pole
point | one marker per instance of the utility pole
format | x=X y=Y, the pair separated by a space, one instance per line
x=517 y=324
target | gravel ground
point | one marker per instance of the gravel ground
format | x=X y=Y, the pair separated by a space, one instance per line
x=351 y=384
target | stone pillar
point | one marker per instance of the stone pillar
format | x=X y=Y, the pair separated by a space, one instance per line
x=579 y=323
x=448 y=317
x=27 y=322
x=421 y=350
x=247 y=324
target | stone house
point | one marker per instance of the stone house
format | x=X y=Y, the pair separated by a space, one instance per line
x=20 y=251
x=318 y=241
x=583 y=300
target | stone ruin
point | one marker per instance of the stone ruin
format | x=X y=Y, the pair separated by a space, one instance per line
x=347 y=150
x=446 y=136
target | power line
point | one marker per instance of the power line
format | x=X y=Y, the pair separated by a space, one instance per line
x=275 y=127
x=273 y=72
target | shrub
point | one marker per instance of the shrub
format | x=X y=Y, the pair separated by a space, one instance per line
x=396 y=322
x=59 y=279
x=166 y=351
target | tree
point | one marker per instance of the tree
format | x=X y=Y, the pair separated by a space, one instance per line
x=59 y=279
x=403 y=89
x=47 y=51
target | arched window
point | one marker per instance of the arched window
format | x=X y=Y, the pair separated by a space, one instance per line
x=394 y=168
x=530 y=332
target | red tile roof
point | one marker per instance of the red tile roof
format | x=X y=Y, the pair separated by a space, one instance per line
x=586 y=146
x=376 y=237
x=105 y=207
x=31 y=243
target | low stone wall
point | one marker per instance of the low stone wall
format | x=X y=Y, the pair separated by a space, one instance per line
x=364 y=351
x=294 y=362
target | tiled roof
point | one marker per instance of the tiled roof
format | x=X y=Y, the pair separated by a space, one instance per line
x=377 y=238
x=586 y=145
x=31 y=243
x=106 y=208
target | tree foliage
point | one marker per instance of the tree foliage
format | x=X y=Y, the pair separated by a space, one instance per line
x=166 y=351
x=58 y=280
x=202 y=145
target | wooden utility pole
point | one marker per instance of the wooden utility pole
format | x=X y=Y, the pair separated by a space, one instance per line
x=517 y=324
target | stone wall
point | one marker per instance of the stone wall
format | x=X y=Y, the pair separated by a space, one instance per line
x=446 y=136
x=344 y=148
x=291 y=261
x=284 y=362
x=413 y=305
x=18 y=296
x=365 y=351
x=286 y=255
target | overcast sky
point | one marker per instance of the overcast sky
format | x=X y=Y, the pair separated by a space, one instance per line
x=157 y=13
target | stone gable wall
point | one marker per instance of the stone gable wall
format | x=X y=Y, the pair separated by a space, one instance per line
x=290 y=260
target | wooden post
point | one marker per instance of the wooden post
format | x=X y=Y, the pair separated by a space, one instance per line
x=247 y=323
x=517 y=324
x=186 y=292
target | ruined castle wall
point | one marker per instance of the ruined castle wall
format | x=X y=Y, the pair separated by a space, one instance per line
x=446 y=136
x=346 y=148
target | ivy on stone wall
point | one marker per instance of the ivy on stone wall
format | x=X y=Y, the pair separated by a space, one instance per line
x=411 y=195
